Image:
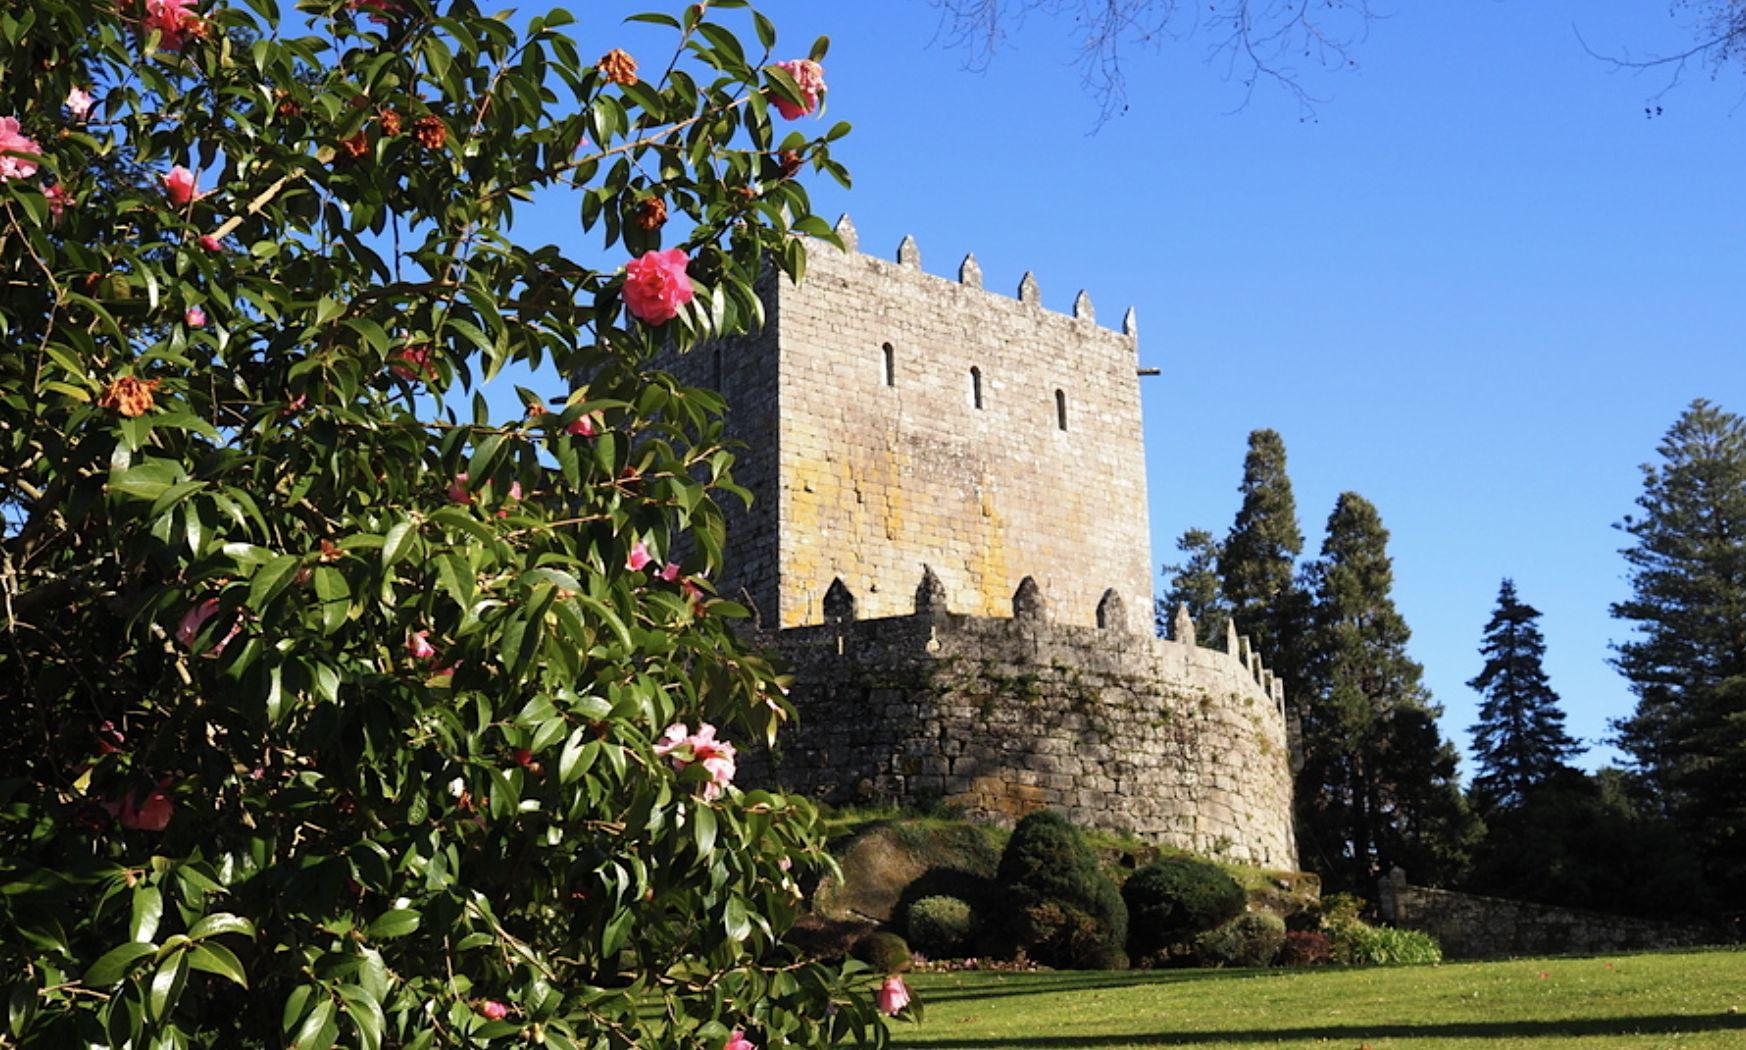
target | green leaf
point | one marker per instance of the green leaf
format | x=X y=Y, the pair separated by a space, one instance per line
x=114 y=964
x=270 y=579
x=396 y=923
x=397 y=544
x=703 y=829
x=167 y=985
x=216 y=959
x=219 y=923
x=148 y=908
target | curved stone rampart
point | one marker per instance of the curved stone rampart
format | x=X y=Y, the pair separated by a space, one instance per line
x=1182 y=745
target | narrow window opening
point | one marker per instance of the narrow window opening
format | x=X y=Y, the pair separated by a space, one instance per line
x=890 y=366
x=1061 y=409
x=976 y=387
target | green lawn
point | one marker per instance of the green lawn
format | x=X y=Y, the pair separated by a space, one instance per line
x=1688 y=999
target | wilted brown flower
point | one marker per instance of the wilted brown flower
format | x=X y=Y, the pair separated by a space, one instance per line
x=288 y=106
x=618 y=67
x=651 y=213
x=129 y=396
x=389 y=119
x=430 y=132
x=356 y=146
x=789 y=162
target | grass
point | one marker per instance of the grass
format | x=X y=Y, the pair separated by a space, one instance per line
x=1685 y=999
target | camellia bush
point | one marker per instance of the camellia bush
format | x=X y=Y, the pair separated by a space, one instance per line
x=340 y=711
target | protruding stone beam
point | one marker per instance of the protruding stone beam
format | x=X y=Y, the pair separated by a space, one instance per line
x=1082 y=307
x=1256 y=670
x=970 y=272
x=1112 y=612
x=1029 y=291
x=908 y=254
x=845 y=229
x=1131 y=323
x=839 y=604
x=1027 y=601
x=1245 y=654
x=1231 y=637
x=1182 y=625
x=930 y=596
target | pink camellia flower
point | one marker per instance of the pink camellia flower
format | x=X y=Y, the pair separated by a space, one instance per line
x=377 y=11
x=413 y=362
x=152 y=814
x=809 y=77
x=669 y=572
x=893 y=996
x=211 y=243
x=492 y=1010
x=195 y=317
x=584 y=426
x=737 y=1041
x=13 y=140
x=173 y=21
x=419 y=647
x=639 y=557
x=179 y=185
x=59 y=199
x=79 y=103
x=515 y=490
x=189 y=627
x=656 y=285
x=458 y=490
x=686 y=749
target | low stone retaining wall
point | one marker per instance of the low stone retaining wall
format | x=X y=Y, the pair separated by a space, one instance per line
x=1469 y=926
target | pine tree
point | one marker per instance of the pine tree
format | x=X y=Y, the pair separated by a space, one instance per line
x=1258 y=561
x=1195 y=583
x=1519 y=740
x=1687 y=663
x=1378 y=785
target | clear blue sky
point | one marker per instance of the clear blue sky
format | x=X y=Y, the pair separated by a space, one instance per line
x=1475 y=289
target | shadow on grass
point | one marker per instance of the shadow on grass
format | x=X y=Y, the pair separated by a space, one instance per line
x=1669 y=1024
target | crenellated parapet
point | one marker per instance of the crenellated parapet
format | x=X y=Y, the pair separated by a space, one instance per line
x=996 y=716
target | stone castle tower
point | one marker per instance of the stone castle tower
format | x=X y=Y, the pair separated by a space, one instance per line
x=950 y=544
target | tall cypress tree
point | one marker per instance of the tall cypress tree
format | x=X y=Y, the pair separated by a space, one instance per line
x=1687 y=663
x=1194 y=582
x=1258 y=563
x=1519 y=741
x=1378 y=785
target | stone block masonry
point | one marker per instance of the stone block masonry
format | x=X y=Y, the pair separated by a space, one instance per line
x=892 y=418
x=1181 y=745
x=1469 y=926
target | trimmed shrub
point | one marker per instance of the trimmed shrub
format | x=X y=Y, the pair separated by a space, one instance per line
x=941 y=926
x=1361 y=944
x=884 y=952
x=1173 y=898
x=1306 y=948
x=1063 y=911
x=1251 y=939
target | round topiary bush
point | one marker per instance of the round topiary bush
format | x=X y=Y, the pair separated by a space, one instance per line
x=941 y=926
x=884 y=952
x=1251 y=939
x=1063 y=911
x=1173 y=898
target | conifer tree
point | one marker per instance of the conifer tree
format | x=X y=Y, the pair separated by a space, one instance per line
x=1258 y=560
x=1519 y=741
x=1195 y=583
x=1687 y=663
x=1378 y=785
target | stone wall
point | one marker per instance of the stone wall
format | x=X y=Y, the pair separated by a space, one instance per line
x=899 y=418
x=1179 y=744
x=1469 y=926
